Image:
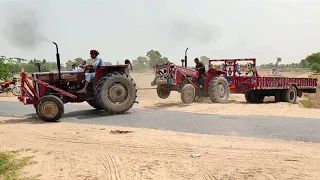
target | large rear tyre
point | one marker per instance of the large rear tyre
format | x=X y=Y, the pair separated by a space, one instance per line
x=218 y=90
x=93 y=103
x=291 y=95
x=50 y=108
x=116 y=93
x=163 y=93
x=188 y=93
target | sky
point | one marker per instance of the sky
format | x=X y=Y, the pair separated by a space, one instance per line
x=126 y=29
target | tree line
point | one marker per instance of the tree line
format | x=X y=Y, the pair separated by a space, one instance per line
x=312 y=62
x=12 y=65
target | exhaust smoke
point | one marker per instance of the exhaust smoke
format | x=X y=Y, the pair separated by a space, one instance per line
x=22 y=25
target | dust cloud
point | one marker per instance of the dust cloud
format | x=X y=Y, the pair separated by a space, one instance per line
x=22 y=25
x=194 y=31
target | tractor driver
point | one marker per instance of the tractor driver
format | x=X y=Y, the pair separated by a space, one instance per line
x=97 y=61
x=201 y=69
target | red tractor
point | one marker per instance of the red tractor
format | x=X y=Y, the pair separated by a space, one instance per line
x=112 y=90
x=170 y=77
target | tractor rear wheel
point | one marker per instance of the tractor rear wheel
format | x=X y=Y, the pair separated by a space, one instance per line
x=188 y=93
x=291 y=95
x=116 y=93
x=93 y=103
x=163 y=93
x=50 y=108
x=218 y=90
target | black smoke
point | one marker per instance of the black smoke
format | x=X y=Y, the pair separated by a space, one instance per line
x=22 y=26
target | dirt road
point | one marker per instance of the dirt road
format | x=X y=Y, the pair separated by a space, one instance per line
x=277 y=127
x=237 y=105
x=78 y=151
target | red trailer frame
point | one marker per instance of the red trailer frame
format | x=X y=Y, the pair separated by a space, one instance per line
x=32 y=97
x=241 y=84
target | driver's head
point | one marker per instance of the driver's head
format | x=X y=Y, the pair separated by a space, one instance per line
x=127 y=61
x=94 y=53
x=196 y=60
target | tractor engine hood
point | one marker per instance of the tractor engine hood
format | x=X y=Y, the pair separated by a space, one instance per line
x=188 y=71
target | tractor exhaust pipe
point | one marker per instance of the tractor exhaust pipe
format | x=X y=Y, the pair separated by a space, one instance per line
x=185 y=58
x=58 y=60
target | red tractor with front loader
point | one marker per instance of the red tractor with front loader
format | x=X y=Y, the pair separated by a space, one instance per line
x=112 y=90
x=170 y=77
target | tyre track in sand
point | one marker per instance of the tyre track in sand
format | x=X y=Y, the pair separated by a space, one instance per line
x=176 y=151
x=111 y=167
x=206 y=174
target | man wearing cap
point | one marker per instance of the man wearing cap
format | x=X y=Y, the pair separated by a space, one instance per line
x=74 y=66
x=97 y=61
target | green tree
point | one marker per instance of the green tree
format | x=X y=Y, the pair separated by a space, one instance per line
x=78 y=60
x=142 y=64
x=5 y=69
x=313 y=58
x=155 y=57
x=315 y=67
x=108 y=63
x=205 y=60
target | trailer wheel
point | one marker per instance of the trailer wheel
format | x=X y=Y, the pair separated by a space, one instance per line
x=188 y=93
x=116 y=93
x=291 y=95
x=218 y=90
x=252 y=97
x=257 y=98
x=50 y=108
x=163 y=93
x=283 y=96
x=247 y=95
x=93 y=103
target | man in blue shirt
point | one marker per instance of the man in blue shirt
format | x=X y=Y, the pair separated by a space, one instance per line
x=74 y=66
x=97 y=61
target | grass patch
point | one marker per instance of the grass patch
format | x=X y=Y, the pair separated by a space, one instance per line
x=12 y=164
x=306 y=103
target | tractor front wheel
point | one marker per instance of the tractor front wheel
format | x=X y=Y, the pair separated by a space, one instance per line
x=50 y=108
x=116 y=93
x=218 y=90
x=94 y=104
x=163 y=93
x=188 y=93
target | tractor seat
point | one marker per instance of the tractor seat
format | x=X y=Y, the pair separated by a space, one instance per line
x=66 y=76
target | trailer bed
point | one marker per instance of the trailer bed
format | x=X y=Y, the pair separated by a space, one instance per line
x=285 y=83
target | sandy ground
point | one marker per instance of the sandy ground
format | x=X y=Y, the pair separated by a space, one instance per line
x=237 y=105
x=78 y=151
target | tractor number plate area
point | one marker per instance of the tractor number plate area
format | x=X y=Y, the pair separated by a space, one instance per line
x=162 y=76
